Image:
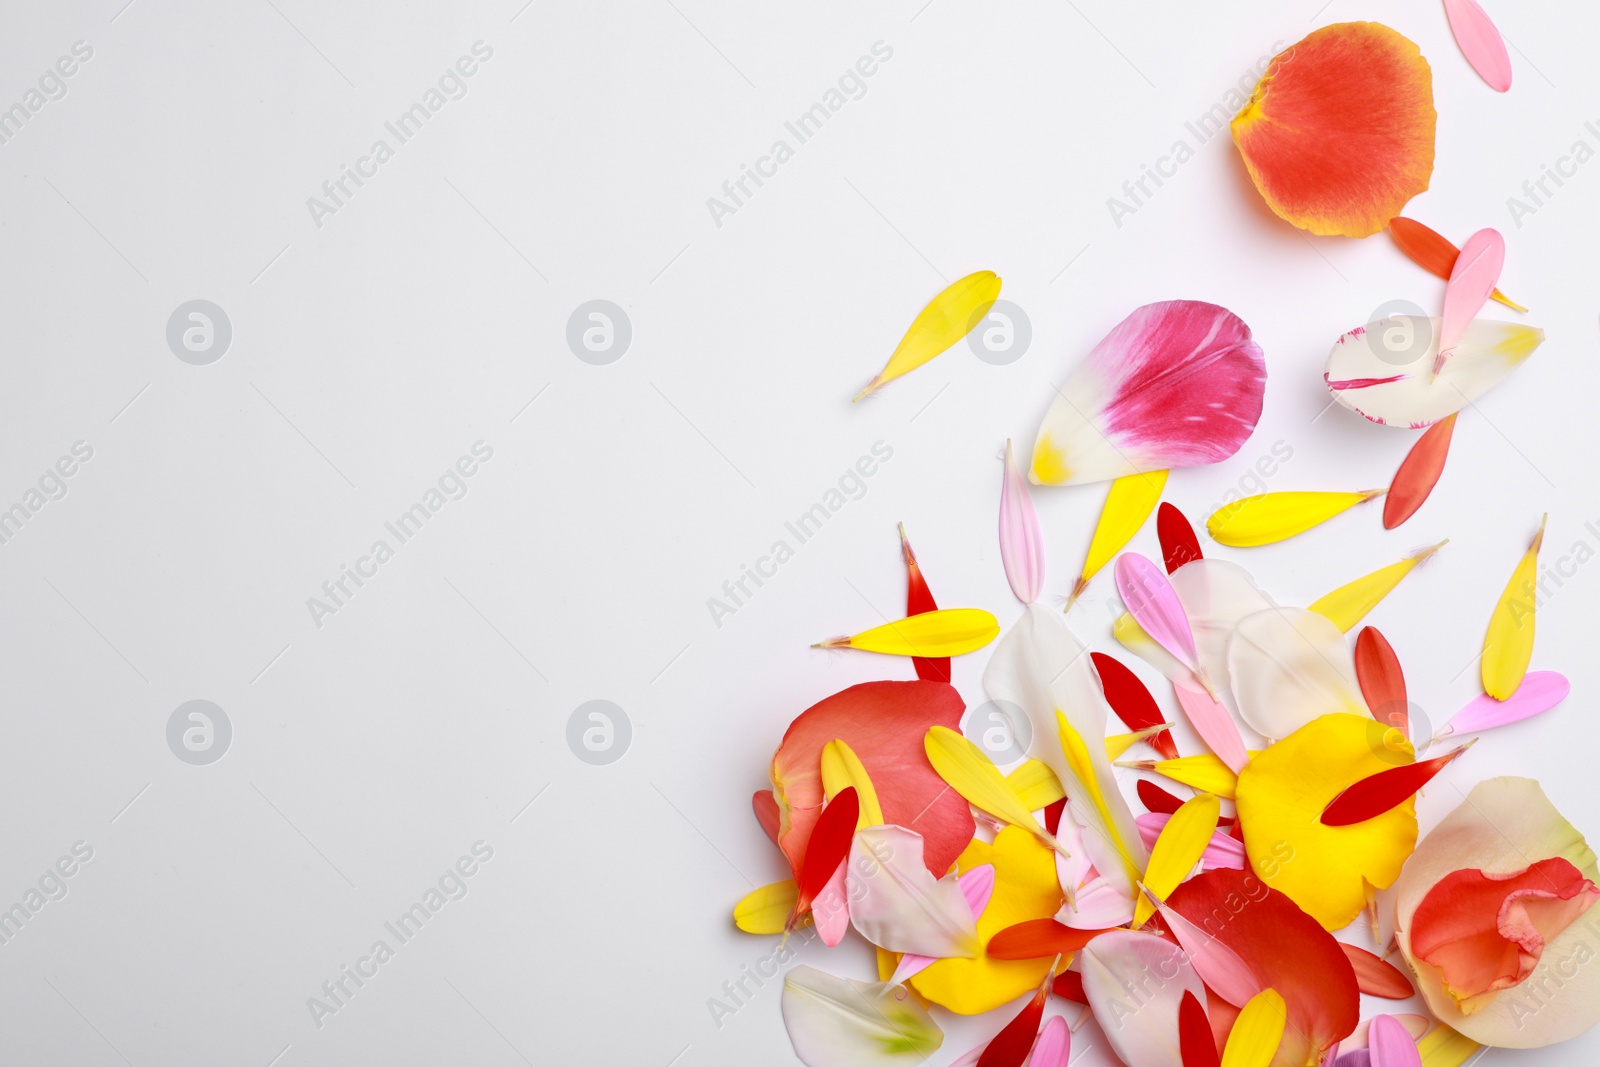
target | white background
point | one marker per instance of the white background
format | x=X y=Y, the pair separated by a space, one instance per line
x=368 y=354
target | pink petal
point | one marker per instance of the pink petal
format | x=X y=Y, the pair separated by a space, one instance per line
x=1480 y=42
x=1223 y=851
x=1150 y=599
x=1053 y=1046
x=831 y=910
x=1218 y=966
x=1540 y=691
x=1390 y=1045
x=1021 y=541
x=1472 y=279
x=1215 y=725
x=977 y=885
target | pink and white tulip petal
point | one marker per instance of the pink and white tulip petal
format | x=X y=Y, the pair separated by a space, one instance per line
x=1145 y=1031
x=1290 y=666
x=1175 y=384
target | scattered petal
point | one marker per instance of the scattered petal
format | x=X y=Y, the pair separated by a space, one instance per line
x=970 y=772
x=1383 y=684
x=1480 y=42
x=1539 y=692
x=919 y=601
x=1508 y=646
x=764 y=910
x=1258 y=1032
x=1204 y=772
x=1385 y=790
x=1381 y=371
x=1038 y=939
x=1419 y=472
x=1131 y=500
x=842 y=769
x=1271 y=517
x=1376 y=976
x=1198 y=1046
x=1389 y=1044
x=1434 y=253
x=896 y=904
x=1290 y=666
x=946 y=632
x=1215 y=725
x=1175 y=384
x=1131 y=701
x=1282 y=793
x=1472 y=279
x=1349 y=604
x=948 y=318
x=1179 y=545
x=1338 y=135
x=1182 y=842
x=1141 y=1026
x=840 y=1022
x=1021 y=539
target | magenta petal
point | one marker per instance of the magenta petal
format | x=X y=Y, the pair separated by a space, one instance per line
x=1021 y=541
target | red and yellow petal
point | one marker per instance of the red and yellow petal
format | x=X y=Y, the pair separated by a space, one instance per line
x=1339 y=133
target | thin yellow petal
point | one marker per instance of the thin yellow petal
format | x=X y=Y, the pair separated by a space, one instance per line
x=1444 y=1047
x=765 y=910
x=933 y=634
x=1036 y=784
x=1269 y=517
x=1130 y=502
x=1117 y=744
x=1204 y=771
x=842 y=768
x=1257 y=1032
x=1076 y=751
x=947 y=319
x=1350 y=603
x=1508 y=646
x=968 y=770
x=1179 y=847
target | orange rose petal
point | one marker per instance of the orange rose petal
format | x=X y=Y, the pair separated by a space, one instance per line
x=1339 y=133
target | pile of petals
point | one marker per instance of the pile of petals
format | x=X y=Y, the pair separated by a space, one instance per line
x=1267 y=869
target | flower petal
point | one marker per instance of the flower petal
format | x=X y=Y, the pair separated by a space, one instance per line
x=839 y=1022
x=1338 y=135
x=1175 y=384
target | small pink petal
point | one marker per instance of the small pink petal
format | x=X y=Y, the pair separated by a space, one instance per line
x=1480 y=42
x=1053 y=1046
x=1223 y=851
x=831 y=910
x=1214 y=723
x=1021 y=540
x=1472 y=279
x=1539 y=692
x=1154 y=605
x=1391 y=1045
x=977 y=885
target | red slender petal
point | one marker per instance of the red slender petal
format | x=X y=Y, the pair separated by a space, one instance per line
x=765 y=806
x=1198 y=1047
x=1156 y=799
x=1036 y=939
x=829 y=845
x=1132 y=702
x=1378 y=793
x=1376 y=976
x=1010 y=1047
x=1419 y=473
x=1069 y=984
x=1179 y=545
x=1052 y=815
x=919 y=601
x=1382 y=681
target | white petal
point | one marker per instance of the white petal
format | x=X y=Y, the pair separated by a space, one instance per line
x=1289 y=666
x=897 y=905
x=839 y=1022
x=1384 y=370
x=1134 y=982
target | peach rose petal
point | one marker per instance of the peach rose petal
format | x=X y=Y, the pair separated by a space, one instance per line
x=1339 y=133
